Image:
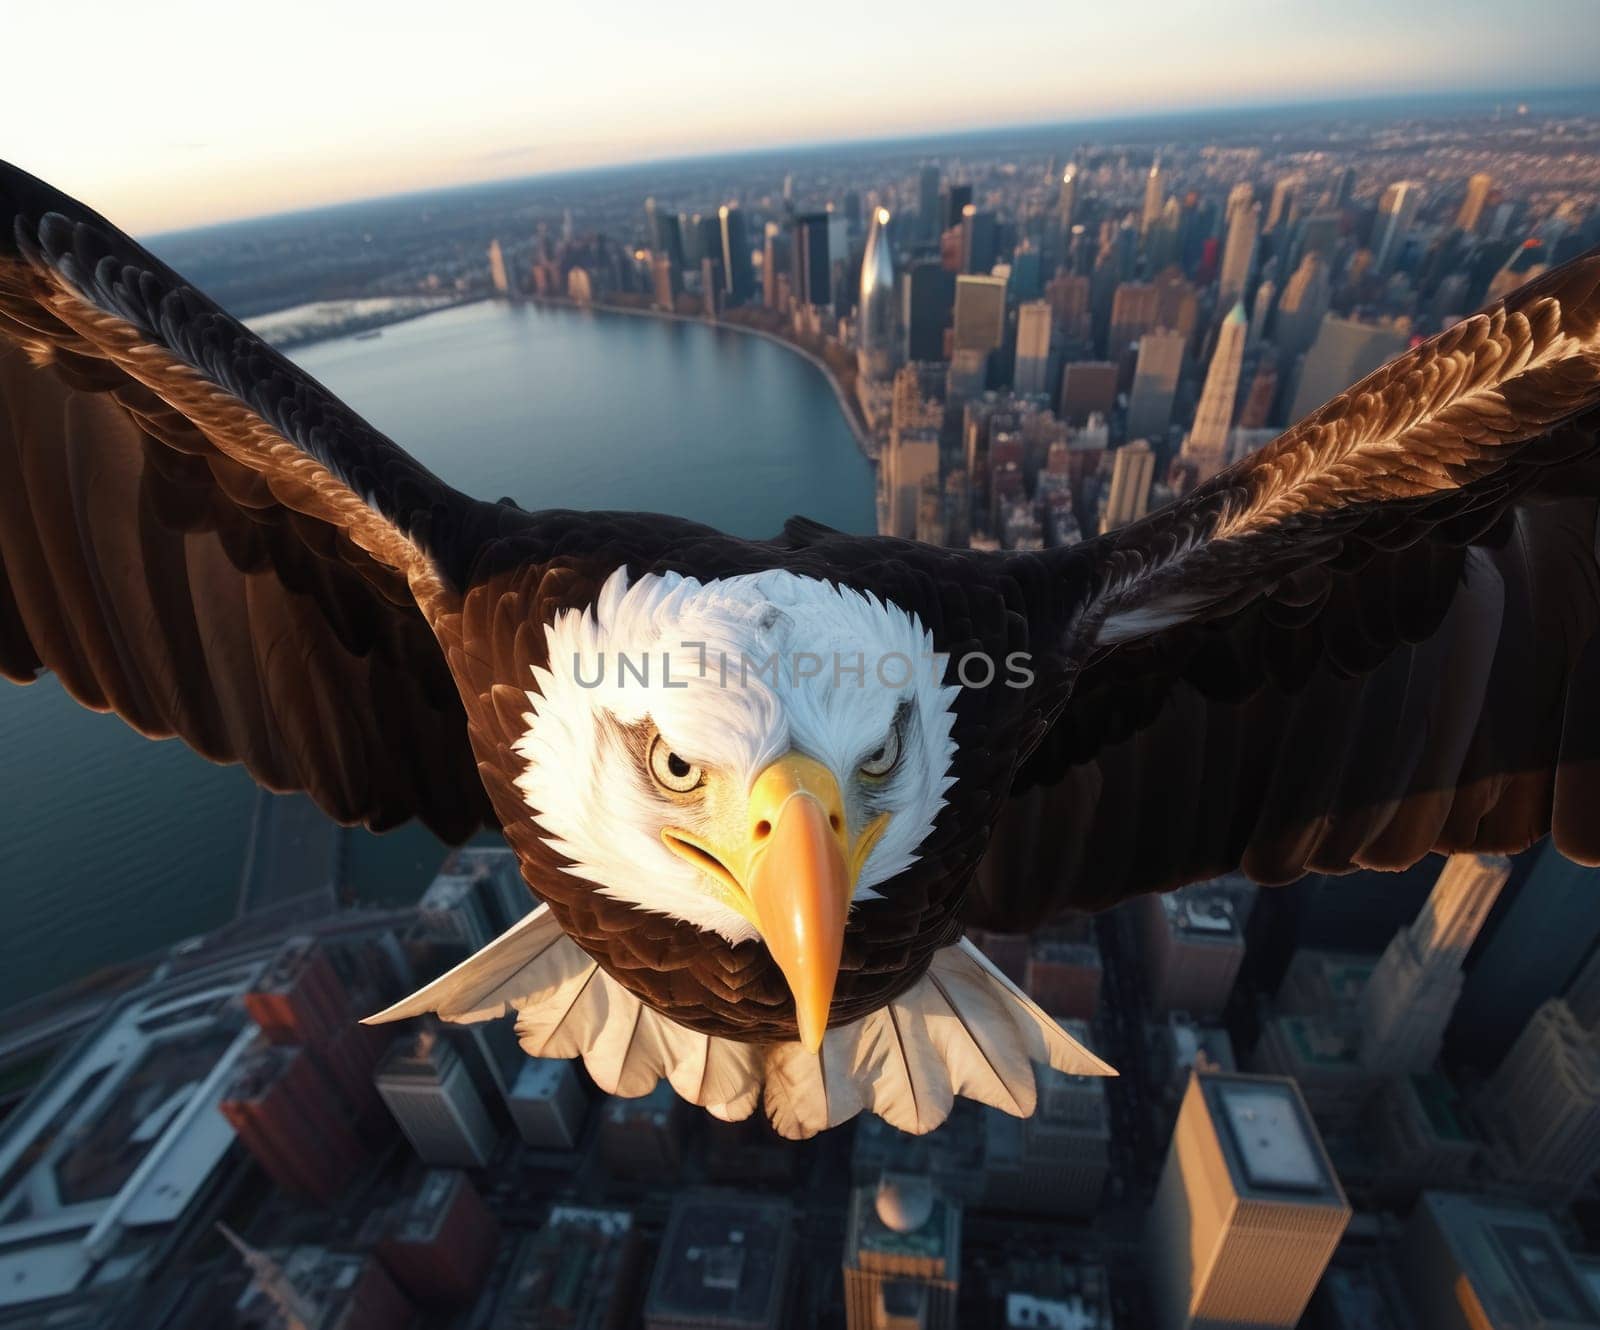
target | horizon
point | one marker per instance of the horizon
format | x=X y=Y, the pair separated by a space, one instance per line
x=362 y=123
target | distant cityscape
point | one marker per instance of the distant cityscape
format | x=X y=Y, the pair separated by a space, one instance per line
x=1366 y=1103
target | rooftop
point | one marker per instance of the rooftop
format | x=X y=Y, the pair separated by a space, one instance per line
x=1269 y=1141
x=725 y=1258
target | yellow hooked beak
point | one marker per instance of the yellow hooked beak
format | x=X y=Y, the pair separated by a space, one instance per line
x=791 y=870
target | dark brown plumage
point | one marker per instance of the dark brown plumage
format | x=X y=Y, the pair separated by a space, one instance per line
x=1375 y=638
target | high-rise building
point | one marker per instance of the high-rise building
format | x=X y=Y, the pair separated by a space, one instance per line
x=928 y=203
x=1301 y=306
x=1541 y=1108
x=1397 y=213
x=1067 y=204
x=1132 y=469
x=930 y=292
x=957 y=199
x=774 y=266
x=1135 y=310
x=1345 y=351
x=813 y=276
x=979 y=240
x=738 y=274
x=1419 y=1138
x=1412 y=993
x=1063 y=976
x=580 y=1271
x=1471 y=1263
x=1193 y=944
x=432 y=1095
x=1248 y=1210
x=1261 y=311
x=980 y=313
x=1068 y=294
x=438 y=1241
x=1285 y=196
x=875 y=314
x=1471 y=212
x=1155 y=384
x=1032 y=369
x=547 y=1103
x=666 y=238
x=1056 y=1161
x=726 y=1261
x=902 y=1256
x=500 y=274
x=913 y=460
x=1206 y=447
x=1155 y=197
x=1239 y=248
x=1088 y=387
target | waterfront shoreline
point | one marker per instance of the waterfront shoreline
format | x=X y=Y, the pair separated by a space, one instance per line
x=849 y=409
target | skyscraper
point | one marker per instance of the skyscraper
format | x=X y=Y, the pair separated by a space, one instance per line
x=774 y=266
x=980 y=313
x=666 y=236
x=930 y=292
x=1285 y=195
x=875 y=315
x=1032 y=370
x=1155 y=381
x=1412 y=993
x=431 y=1094
x=1248 y=1210
x=1542 y=1105
x=1068 y=201
x=1206 y=447
x=1471 y=212
x=1238 y=251
x=1397 y=212
x=1301 y=306
x=499 y=271
x=1132 y=467
x=1345 y=351
x=738 y=275
x=979 y=240
x=1155 y=198
x=928 y=203
x=902 y=1255
x=813 y=277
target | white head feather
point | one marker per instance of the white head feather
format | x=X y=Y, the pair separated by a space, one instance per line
x=734 y=673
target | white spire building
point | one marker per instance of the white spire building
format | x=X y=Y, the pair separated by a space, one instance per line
x=876 y=340
x=297 y=1310
x=1412 y=993
x=1207 y=443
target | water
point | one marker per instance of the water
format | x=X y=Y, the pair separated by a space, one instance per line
x=111 y=846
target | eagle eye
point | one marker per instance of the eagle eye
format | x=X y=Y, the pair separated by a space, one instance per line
x=882 y=760
x=672 y=772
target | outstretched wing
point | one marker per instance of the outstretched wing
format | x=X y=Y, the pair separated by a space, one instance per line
x=196 y=535
x=1377 y=637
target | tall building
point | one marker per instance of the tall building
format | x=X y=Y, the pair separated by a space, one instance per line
x=1397 y=213
x=726 y=1261
x=813 y=277
x=902 y=1256
x=500 y=274
x=928 y=203
x=1541 y=1108
x=547 y=1103
x=775 y=276
x=431 y=1093
x=1155 y=384
x=579 y=1271
x=1248 y=1210
x=1412 y=993
x=1067 y=203
x=1132 y=469
x=1032 y=368
x=1206 y=447
x=1193 y=945
x=980 y=313
x=1471 y=1263
x=1239 y=248
x=1068 y=294
x=738 y=274
x=1155 y=197
x=1135 y=310
x=875 y=315
x=1088 y=387
x=666 y=237
x=979 y=240
x=930 y=293
x=1285 y=195
x=1471 y=212
x=1056 y=1161
x=1345 y=351
x=438 y=1241
x=1301 y=306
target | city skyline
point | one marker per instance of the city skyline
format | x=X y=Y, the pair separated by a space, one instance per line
x=159 y=163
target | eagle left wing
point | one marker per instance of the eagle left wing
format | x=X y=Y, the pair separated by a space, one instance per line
x=1377 y=637
x=196 y=535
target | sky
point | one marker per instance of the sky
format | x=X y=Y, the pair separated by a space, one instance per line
x=176 y=114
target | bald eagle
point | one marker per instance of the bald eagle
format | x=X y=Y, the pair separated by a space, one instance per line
x=751 y=782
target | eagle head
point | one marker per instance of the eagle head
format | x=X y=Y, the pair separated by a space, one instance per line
x=751 y=755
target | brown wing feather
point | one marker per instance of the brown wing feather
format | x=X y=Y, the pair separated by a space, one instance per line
x=1377 y=637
